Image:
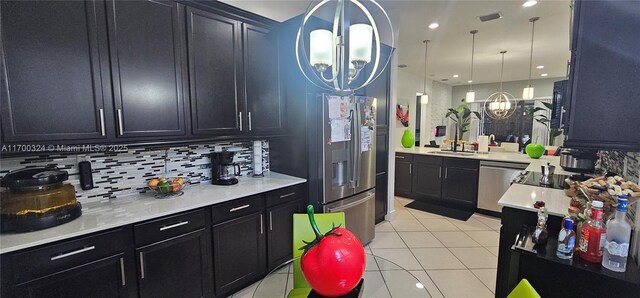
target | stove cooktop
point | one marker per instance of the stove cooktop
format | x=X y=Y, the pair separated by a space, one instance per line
x=557 y=180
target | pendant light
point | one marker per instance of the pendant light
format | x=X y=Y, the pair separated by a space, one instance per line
x=500 y=105
x=335 y=58
x=471 y=95
x=424 y=98
x=527 y=93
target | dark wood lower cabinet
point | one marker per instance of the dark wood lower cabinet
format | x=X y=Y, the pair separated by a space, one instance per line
x=176 y=267
x=101 y=278
x=280 y=233
x=461 y=186
x=382 y=190
x=427 y=180
x=239 y=254
x=403 y=179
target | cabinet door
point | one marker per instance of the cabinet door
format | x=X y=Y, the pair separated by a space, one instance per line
x=146 y=61
x=382 y=189
x=177 y=267
x=280 y=233
x=403 y=177
x=239 y=253
x=604 y=76
x=427 y=180
x=380 y=88
x=51 y=76
x=102 y=278
x=460 y=185
x=265 y=104
x=215 y=66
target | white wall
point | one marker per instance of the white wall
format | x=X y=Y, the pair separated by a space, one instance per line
x=432 y=113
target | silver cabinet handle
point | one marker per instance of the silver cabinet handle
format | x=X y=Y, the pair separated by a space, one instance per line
x=75 y=252
x=398 y=156
x=249 y=116
x=182 y=223
x=234 y=209
x=124 y=282
x=410 y=168
x=287 y=195
x=141 y=265
x=120 y=121
x=446 y=173
x=240 y=117
x=102 y=122
x=440 y=173
x=261 y=224
x=270 y=221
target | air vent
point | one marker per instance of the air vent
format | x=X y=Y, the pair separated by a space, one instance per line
x=402 y=66
x=491 y=17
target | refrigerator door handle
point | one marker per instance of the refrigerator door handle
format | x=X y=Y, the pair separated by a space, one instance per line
x=354 y=156
x=358 y=144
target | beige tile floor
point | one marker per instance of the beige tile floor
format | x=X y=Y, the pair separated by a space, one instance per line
x=451 y=258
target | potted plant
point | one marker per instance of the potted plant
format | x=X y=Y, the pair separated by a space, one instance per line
x=544 y=120
x=462 y=117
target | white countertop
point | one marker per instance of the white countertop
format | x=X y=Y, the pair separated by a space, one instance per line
x=520 y=196
x=515 y=157
x=99 y=216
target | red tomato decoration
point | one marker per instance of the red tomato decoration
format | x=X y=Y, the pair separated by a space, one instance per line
x=333 y=263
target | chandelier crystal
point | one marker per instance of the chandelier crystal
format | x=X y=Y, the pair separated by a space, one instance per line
x=337 y=56
x=500 y=105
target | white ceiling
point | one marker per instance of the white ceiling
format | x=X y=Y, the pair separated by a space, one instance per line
x=450 y=46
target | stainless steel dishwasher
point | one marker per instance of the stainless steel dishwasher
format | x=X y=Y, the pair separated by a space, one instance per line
x=495 y=179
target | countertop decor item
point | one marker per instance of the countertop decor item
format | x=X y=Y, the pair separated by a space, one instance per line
x=326 y=63
x=462 y=117
x=471 y=95
x=168 y=187
x=407 y=140
x=333 y=263
x=500 y=105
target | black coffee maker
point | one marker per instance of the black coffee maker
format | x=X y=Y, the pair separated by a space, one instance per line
x=223 y=169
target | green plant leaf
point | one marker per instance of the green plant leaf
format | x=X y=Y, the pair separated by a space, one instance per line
x=478 y=115
x=548 y=105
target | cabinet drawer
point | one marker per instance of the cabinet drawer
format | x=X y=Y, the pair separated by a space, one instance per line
x=236 y=208
x=170 y=226
x=434 y=160
x=470 y=164
x=54 y=258
x=404 y=157
x=283 y=195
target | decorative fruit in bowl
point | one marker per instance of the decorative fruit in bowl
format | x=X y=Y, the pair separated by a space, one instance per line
x=168 y=186
x=534 y=151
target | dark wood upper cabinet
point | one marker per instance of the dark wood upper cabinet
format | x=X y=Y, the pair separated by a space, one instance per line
x=265 y=103
x=52 y=82
x=146 y=62
x=605 y=71
x=215 y=60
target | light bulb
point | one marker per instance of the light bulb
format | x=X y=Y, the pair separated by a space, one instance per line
x=360 y=38
x=471 y=96
x=424 y=98
x=321 y=51
x=527 y=93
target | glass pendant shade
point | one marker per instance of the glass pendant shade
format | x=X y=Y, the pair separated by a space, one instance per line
x=360 y=36
x=424 y=98
x=321 y=51
x=471 y=96
x=527 y=93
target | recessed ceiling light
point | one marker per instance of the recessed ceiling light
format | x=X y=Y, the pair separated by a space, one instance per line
x=544 y=74
x=529 y=3
x=540 y=66
x=469 y=81
x=455 y=76
x=434 y=25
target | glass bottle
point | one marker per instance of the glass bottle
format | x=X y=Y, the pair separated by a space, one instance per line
x=540 y=234
x=577 y=224
x=566 y=240
x=616 y=248
x=593 y=235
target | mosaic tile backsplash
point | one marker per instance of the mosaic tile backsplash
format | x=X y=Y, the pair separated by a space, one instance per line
x=118 y=174
x=626 y=164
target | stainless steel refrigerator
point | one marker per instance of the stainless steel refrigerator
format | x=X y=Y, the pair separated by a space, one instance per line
x=348 y=164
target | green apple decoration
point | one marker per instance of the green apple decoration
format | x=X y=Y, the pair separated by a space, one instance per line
x=534 y=151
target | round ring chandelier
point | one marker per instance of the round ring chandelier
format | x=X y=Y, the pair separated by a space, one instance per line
x=336 y=59
x=500 y=105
